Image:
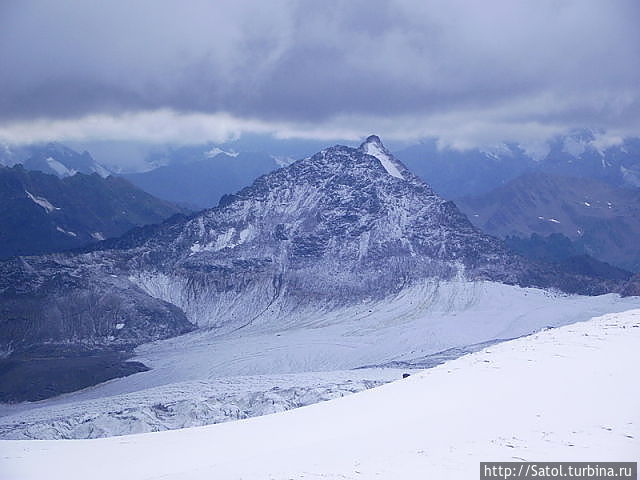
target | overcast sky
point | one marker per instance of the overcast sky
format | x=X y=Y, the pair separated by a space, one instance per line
x=173 y=71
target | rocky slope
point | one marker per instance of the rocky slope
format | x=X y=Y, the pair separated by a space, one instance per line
x=601 y=220
x=42 y=213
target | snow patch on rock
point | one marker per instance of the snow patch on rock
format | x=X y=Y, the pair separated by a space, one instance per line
x=43 y=202
x=66 y=232
x=59 y=168
x=376 y=150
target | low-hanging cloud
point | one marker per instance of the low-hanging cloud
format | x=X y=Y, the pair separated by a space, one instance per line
x=464 y=71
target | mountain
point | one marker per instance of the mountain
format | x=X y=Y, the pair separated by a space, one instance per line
x=343 y=225
x=200 y=178
x=335 y=235
x=52 y=158
x=600 y=220
x=474 y=171
x=42 y=213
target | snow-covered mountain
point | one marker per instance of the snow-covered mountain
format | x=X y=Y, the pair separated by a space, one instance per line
x=344 y=228
x=546 y=396
x=52 y=158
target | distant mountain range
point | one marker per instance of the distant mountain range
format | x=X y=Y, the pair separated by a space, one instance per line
x=41 y=213
x=562 y=216
x=200 y=177
x=581 y=154
x=52 y=158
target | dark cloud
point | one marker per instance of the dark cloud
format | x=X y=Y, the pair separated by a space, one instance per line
x=310 y=64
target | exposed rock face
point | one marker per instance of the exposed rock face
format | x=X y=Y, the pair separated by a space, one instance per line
x=337 y=228
x=633 y=286
x=61 y=299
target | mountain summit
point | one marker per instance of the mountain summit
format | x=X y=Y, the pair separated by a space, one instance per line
x=336 y=229
x=373 y=146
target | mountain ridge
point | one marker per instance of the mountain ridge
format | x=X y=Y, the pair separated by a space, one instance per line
x=52 y=158
x=42 y=213
x=601 y=220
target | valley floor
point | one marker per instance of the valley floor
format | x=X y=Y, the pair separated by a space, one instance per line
x=561 y=394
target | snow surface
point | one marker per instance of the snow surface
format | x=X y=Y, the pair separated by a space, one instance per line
x=100 y=170
x=206 y=376
x=215 y=151
x=559 y=395
x=43 y=202
x=59 y=168
x=66 y=232
x=282 y=160
x=372 y=148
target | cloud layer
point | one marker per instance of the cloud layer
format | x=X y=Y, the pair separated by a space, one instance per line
x=465 y=71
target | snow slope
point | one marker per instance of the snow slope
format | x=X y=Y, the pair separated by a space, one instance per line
x=561 y=394
x=374 y=147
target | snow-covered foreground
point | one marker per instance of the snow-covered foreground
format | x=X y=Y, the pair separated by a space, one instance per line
x=561 y=394
x=204 y=378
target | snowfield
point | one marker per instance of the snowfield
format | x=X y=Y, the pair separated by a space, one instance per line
x=565 y=394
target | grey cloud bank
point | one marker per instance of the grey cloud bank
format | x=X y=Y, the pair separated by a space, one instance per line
x=464 y=71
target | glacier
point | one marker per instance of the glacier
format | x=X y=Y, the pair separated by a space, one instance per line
x=212 y=376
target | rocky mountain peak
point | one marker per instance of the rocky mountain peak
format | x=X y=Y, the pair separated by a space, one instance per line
x=375 y=139
x=344 y=226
